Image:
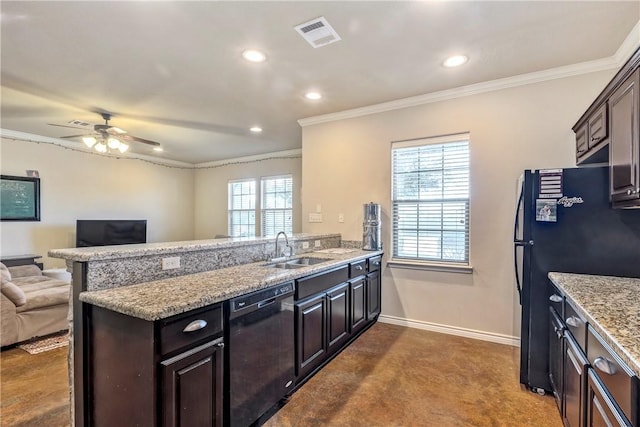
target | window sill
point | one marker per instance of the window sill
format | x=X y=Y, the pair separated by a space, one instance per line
x=432 y=266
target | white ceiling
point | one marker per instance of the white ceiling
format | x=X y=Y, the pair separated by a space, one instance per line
x=173 y=72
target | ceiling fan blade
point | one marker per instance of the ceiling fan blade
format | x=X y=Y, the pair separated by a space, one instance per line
x=136 y=139
x=116 y=131
x=65 y=126
x=72 y=136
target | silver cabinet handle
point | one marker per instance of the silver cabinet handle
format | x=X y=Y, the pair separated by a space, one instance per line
x=605 y=365
x=595 y=138
x=628 y=192
x=358 y=267
x=573 y=321
x=196 y=325
x=555 y=298
x=220 y=344
x=376 y=263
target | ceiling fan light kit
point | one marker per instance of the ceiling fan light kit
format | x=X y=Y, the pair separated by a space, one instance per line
x=103 y=138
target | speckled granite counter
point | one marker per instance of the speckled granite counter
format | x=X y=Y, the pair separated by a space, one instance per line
x=612 y=306
x=167 y=297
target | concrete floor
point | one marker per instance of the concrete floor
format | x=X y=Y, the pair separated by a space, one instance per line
x=391 y=376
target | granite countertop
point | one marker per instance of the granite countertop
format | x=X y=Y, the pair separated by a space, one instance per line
x=101 y=253
x=167 y=297
x=612 y=306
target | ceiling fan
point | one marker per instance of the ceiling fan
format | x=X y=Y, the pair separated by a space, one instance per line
x=103 y=137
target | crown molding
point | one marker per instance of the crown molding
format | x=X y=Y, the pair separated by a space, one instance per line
x=30 y=137
x=247 y=159
x=628 y=46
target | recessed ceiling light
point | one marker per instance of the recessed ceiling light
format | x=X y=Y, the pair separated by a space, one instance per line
x=158 y=149
x=313 y=95
x=253 y=55
x=454 y=61
x=255 y=129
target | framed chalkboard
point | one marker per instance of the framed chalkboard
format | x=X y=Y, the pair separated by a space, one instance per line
x=19 y=198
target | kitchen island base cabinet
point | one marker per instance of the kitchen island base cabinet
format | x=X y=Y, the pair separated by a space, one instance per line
x=191 y=392
x=575 y=375
x=373 y=295
x=601 y=411
x=161 y=373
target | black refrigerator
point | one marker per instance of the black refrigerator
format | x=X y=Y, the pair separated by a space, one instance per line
x=564 y=222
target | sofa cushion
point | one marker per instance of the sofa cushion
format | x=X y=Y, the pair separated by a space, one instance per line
x=25 y=270
x=45 y=298
x=35 y=283
x=5 y=274
x=15 y=294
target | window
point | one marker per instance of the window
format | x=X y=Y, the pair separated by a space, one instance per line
x=277 y=205
x=430 y=197
x=274 y=208
x=242 y=208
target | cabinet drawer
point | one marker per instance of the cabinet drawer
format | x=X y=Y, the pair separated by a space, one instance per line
x=186 y=329
x=357 y=268
x=613 y=372
x=556 y=300
x=320 y=282
x=375 y=263
x=575 y=324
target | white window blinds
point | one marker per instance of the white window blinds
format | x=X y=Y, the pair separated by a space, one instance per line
x=242 y=208
x=277 y=205
x=430 y=197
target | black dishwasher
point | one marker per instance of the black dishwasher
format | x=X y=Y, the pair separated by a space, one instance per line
x=261 y=352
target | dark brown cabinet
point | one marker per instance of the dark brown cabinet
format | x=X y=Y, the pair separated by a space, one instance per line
x=608 y=132
x=623 y=150
x=556 y=356
x=574 y=378
x=192 y=387
x=338 y=309
x=163 y=373
x=333 y=308
x=601 y=410
x=358 y=304
x=373 y=295
x=311 y=327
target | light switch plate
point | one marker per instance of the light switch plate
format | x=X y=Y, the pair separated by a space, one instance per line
x=315 y=217
x=340 y=217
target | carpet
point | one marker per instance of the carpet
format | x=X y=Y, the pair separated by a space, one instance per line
x=46 y=344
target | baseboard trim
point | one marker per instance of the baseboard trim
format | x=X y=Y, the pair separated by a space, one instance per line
x=452 y=330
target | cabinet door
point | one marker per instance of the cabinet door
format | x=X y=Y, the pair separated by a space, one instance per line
x=373 y=295
x=556 y=354
x=338 y=316
x=623 y=146
x=582 y=145
x=598 y=126
x=573 y=384
x=601 y=411
x=192 y=387
x=311 y=329
x=358 y=304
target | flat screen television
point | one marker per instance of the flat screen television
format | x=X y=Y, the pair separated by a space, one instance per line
x=98 y=232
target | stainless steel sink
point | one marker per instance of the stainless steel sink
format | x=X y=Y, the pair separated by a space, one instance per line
x=298 y=263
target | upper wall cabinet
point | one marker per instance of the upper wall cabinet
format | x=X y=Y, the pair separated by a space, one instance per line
x=608 y=132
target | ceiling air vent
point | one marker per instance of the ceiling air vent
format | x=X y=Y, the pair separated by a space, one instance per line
x=318 y=32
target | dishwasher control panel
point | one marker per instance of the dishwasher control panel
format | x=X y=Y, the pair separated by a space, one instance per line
x=245 y=301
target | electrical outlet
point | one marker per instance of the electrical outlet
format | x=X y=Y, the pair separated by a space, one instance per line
x=171 y=263
x=340 y=217
x=305 y=245
x=317 y=244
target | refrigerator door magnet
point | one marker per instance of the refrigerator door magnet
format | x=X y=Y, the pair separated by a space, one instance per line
x=546 y=210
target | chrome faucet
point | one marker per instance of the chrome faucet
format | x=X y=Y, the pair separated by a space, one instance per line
x=286 y=241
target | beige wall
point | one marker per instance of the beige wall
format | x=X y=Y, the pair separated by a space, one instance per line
x=211 y=201
x=347 y=163
x=76 y=185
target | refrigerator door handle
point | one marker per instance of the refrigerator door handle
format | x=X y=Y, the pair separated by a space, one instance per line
x=517 y=242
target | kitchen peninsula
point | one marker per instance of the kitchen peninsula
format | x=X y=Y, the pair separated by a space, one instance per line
x=145 y=336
